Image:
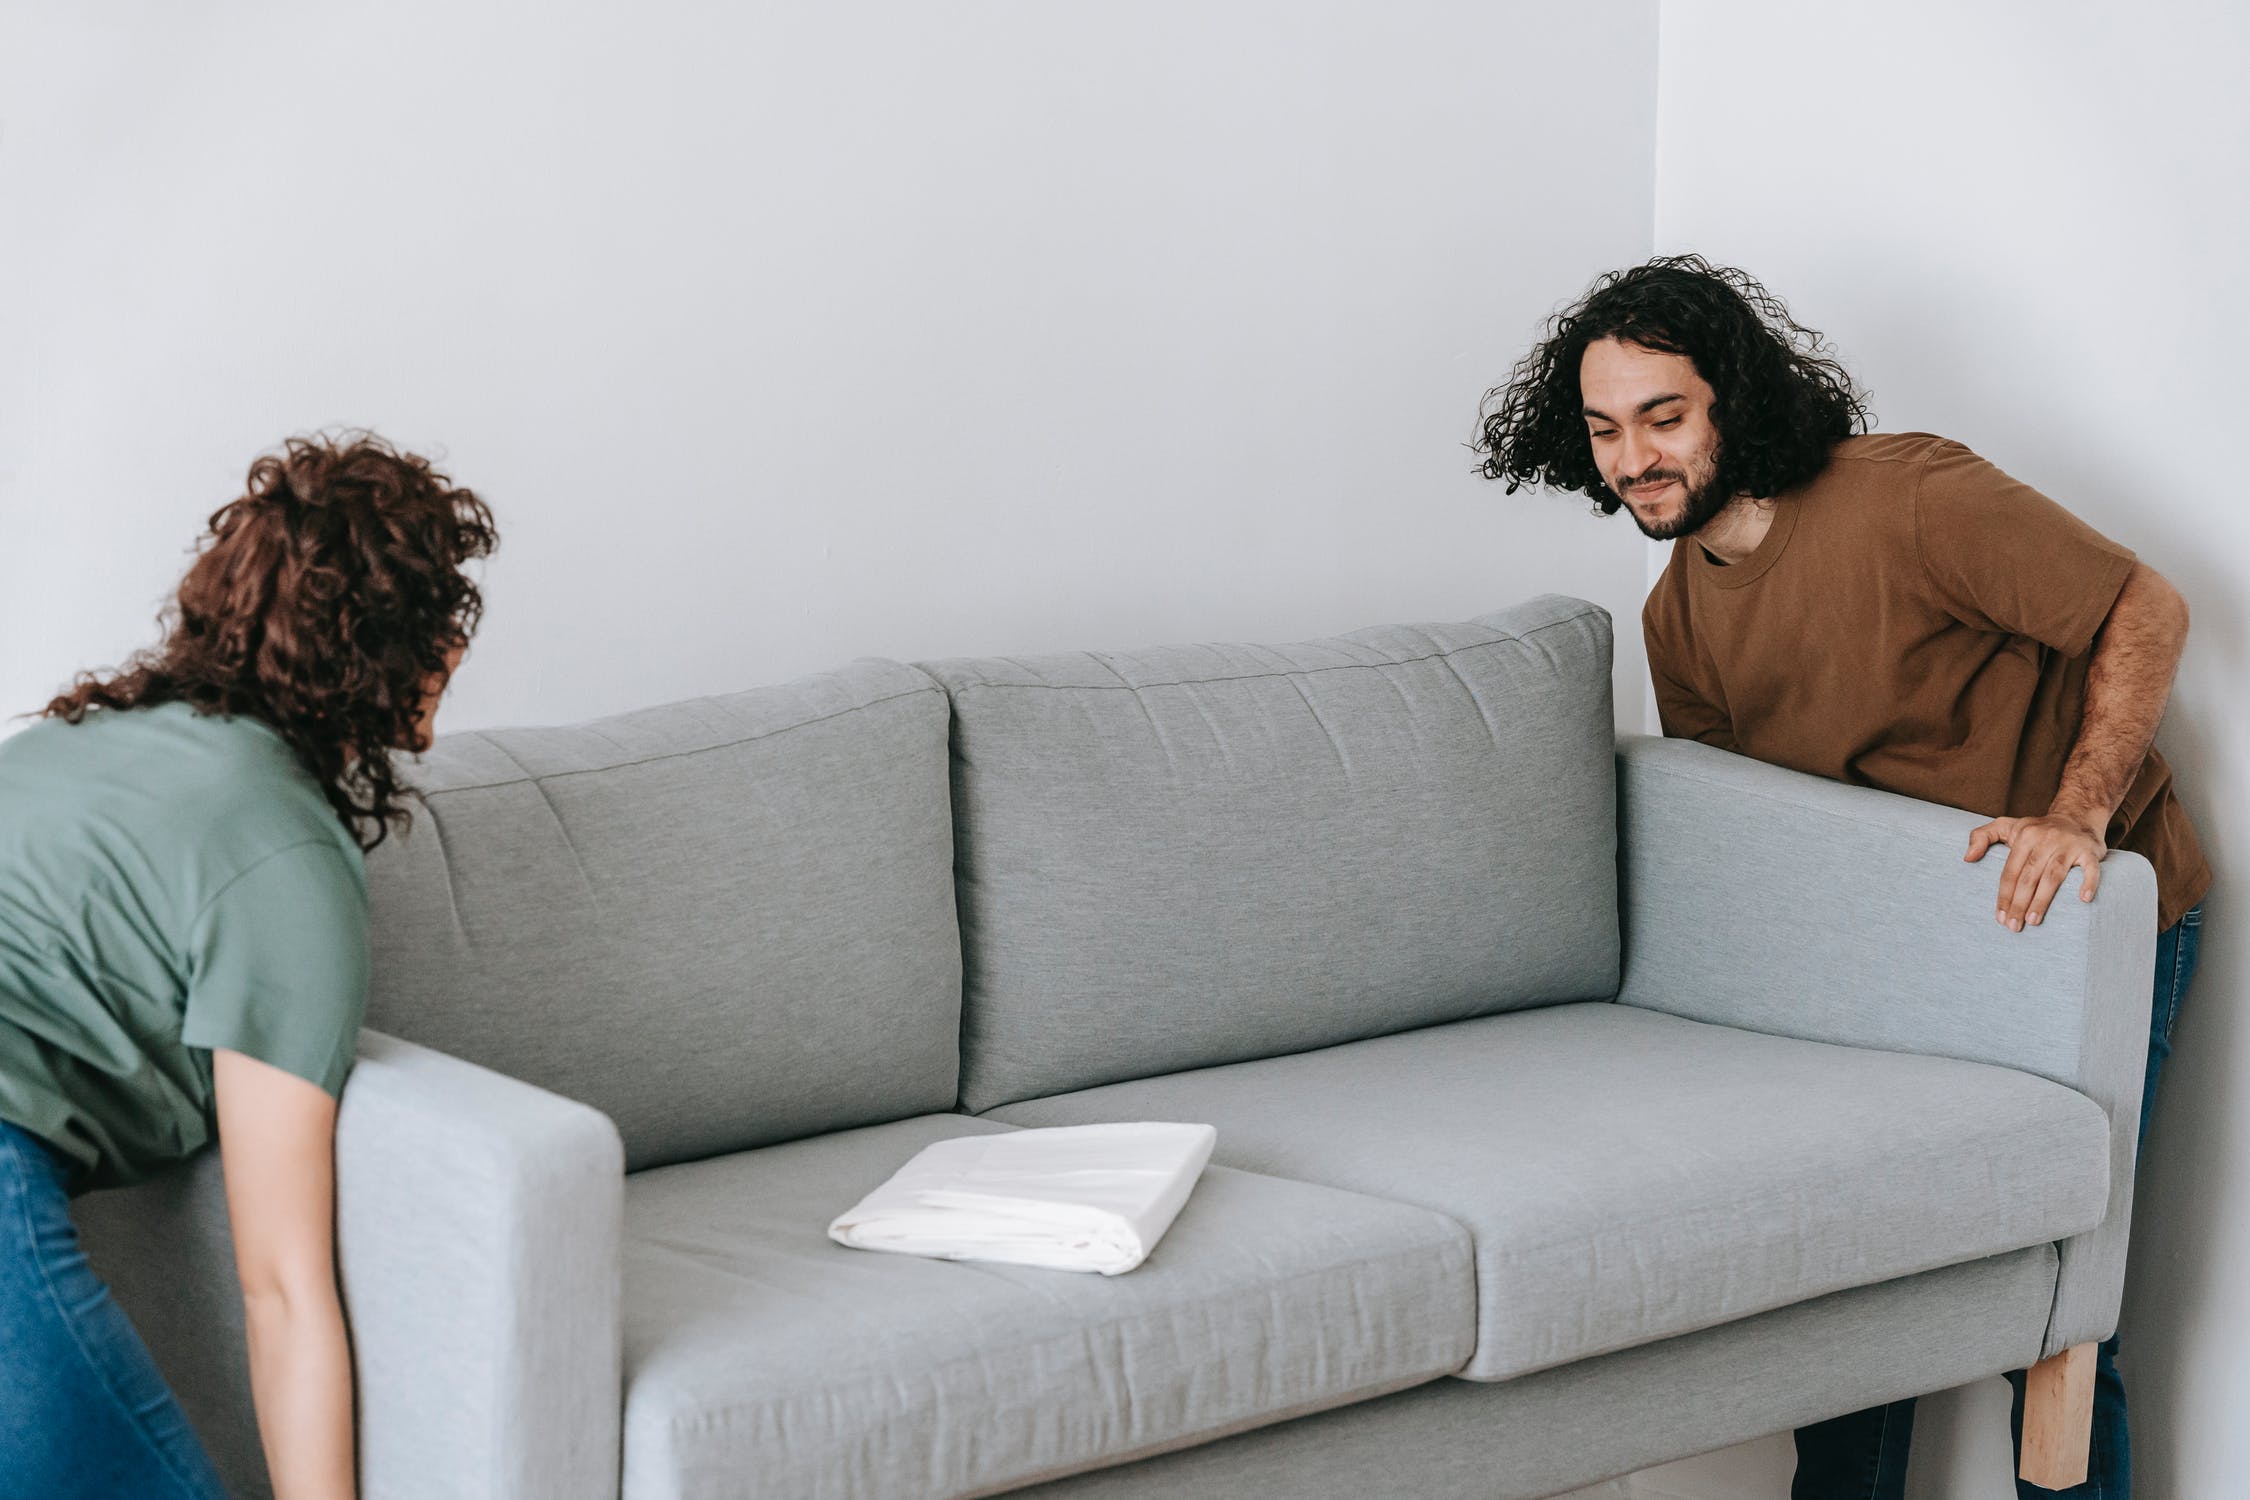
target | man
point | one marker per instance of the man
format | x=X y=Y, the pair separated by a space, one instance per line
x=1885 y=610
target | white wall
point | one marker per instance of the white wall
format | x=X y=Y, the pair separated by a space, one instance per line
x=2024 y=225
x=786 y=333
x=783 y=334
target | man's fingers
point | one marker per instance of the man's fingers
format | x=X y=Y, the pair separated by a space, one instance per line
x=2049 y=883
x=2041 y=854
x=2013 y=876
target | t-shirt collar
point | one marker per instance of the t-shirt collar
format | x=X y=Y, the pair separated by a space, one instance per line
x=1762 y=557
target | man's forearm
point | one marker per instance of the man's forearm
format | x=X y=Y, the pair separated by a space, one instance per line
x=2135 y=657
x=301 y=1384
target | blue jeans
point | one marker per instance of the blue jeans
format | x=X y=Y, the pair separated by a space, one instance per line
x=1863 y=1456
x=84 y=1412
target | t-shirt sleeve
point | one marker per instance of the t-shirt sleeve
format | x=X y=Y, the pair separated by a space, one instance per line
x=1682 y=711
x=277 y=965
x=1685 y=715
x=2001 y=556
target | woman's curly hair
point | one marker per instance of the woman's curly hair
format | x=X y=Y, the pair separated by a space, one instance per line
x=319 y=603
x=1780 y=401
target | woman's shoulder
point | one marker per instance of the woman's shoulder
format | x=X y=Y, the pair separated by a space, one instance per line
x=188 y=789
x=256 y=796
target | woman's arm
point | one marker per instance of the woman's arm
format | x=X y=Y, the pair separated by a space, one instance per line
x=277 y=1144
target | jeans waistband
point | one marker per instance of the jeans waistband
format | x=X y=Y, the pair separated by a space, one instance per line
x=64 y=1164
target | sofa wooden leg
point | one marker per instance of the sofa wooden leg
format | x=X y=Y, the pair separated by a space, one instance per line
x=2058 y=1418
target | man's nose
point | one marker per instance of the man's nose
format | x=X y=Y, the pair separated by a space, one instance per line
x=1636 y=456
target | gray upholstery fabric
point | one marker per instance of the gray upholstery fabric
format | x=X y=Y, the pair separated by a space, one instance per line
x=764 y=1360
x=721 y=922
x=1190 y=855
x=477 y=1240
x=1763 y=898
x=477 y=1232
x=1629 y=1176
x=731 y=922
x=1555 y=1431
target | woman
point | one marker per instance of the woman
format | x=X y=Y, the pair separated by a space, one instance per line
x=183 y=950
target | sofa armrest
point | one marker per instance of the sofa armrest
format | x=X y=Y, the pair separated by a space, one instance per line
x=1767 y=899
x=478 y=1220
x=478 y=1227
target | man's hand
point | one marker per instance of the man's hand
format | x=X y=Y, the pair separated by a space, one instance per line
x=2041 y=851
x=2136 y=653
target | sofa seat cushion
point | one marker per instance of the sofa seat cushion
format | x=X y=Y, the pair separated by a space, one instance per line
x=762 y=1359
x=1630 y=1175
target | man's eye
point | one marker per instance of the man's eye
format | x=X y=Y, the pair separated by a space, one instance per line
x=1669 y=422
x=1608 y=434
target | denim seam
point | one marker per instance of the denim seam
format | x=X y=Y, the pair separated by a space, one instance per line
x=2093 y=1481
x=2172 y=995
x=1882 y=1450
x=187 y=1483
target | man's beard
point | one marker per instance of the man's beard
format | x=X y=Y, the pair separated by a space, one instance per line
x=1703 y=502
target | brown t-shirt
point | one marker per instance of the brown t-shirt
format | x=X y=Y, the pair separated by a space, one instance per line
x=1913 y=620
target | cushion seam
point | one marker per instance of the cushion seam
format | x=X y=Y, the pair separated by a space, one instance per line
x=1450 y=1244
x=1350 y=666
x=2010 y=1136
x=1804 y=804
x=749 y=739
x=1598 y=1351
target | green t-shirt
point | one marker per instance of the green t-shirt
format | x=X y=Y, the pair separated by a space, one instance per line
x=170 y=882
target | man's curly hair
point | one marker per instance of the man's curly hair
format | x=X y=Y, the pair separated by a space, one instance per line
x=319 y=602
x=1780 y=401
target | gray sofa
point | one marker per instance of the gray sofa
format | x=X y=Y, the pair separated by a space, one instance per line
x=1581 y=1103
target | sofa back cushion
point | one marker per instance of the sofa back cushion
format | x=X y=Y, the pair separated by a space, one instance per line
x=1194 y=855
x=724 y=922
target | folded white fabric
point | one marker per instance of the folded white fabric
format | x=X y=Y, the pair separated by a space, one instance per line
x=1071 y=1197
